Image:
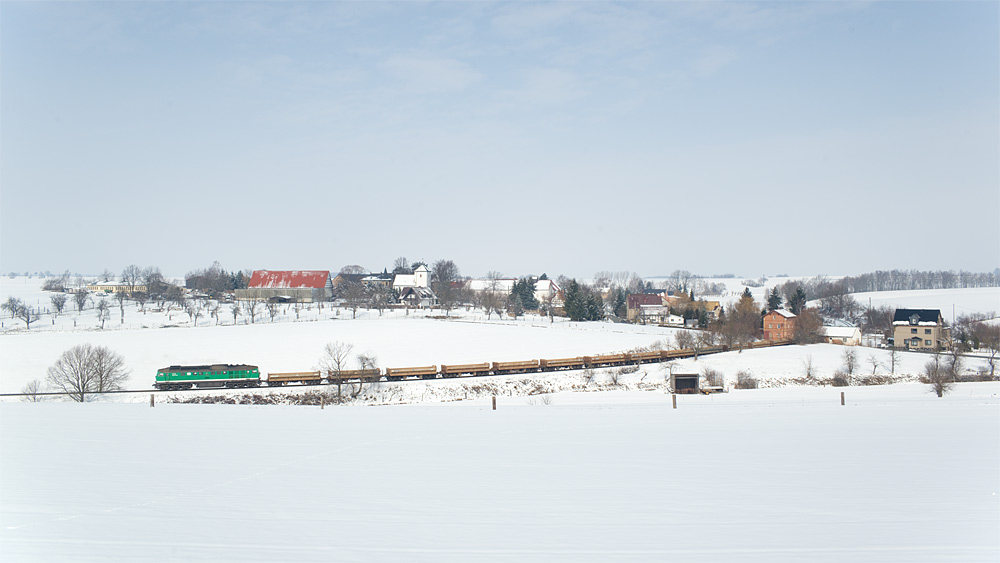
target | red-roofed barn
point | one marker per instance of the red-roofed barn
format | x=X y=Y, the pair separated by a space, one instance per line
x=304 y=286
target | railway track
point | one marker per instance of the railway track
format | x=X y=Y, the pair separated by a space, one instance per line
x=447 y=371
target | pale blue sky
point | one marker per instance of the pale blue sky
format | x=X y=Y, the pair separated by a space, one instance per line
x=520 y=137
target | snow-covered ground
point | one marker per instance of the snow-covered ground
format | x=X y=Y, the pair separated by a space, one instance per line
x=952 y=302
x=767 y=475
x=571 y=467
x=294 y=341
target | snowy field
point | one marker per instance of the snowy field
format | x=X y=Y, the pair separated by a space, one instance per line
x=767 y=475
x=573 y=466
x=952 y=302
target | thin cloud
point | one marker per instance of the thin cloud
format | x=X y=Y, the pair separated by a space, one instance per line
x=429 y=75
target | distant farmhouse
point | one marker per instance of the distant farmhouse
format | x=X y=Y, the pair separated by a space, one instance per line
x=919 y=329
x=302 y=286
x=116 y=287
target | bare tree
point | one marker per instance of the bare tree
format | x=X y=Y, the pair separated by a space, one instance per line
x=875 y=363
x=141 y=297
x=379 y=297
x=106 y=275
x=85 y=369
x=154 y=282
x=235 y=310
x=32 y=391
x=11 y=305
x=745 y=380
x=712 y=377
x=807 y=367
x=366 y=360
x=103 y=311
x=194 y=311
x=335 y=356
x=808 y=327
x=401 y=266
x=272 y=309
x=491 y=298
x=684 y=340
x=444 y=274
x=353 y=269
x=131 y=276
x=989 y=336
x=954 y=362
x=120 y=298
x=334 y=361
x=213 y=310
x=850 y=363
x=354 y=295
x=893 y=360
x=81 y=297
x=28 y=315
x=251 y=304
x=938 y=376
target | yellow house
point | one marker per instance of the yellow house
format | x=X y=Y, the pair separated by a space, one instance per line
x=919 y=329
x=116 y=287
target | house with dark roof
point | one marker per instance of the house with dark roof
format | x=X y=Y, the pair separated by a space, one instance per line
x=919 y=329
x=303 y=286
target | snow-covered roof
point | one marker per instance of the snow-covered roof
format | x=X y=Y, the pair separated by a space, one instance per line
x=841 y=331
x=504 y=284
x=923 y=317
x=785 y=313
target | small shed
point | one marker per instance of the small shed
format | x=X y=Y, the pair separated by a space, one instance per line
x=684 y=383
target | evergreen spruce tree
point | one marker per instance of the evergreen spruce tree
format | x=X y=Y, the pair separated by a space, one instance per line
x=573 y=302
x=798 y=301
x=620 y=307
x=595 y=307
x=773 y=299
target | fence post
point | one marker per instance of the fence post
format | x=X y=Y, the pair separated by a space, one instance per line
x=673 y=397
x=841 y=398
x=152 y=400
x=322 y=402
x=494 y=402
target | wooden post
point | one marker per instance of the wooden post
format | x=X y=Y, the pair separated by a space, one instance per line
x=673 y=397
x=322 y=402
x=841 y=398
x=494 y=402
x=152 y=400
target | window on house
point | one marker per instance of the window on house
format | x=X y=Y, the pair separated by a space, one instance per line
x=913 y=331
x=927 y=342
x=927 y=331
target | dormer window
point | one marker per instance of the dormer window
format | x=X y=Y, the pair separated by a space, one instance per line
x=914 y=319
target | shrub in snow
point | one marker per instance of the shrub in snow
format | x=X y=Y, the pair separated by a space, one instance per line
x=840 y=379
x=745 y=380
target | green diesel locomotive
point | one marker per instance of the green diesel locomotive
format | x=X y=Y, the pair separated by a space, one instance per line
x=203 y=377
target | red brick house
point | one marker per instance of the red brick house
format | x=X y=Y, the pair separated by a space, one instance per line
x=779 y=325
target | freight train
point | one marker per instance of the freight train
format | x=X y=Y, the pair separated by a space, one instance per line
x=240 y=375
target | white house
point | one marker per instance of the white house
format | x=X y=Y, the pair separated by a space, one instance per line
x=846 y=335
